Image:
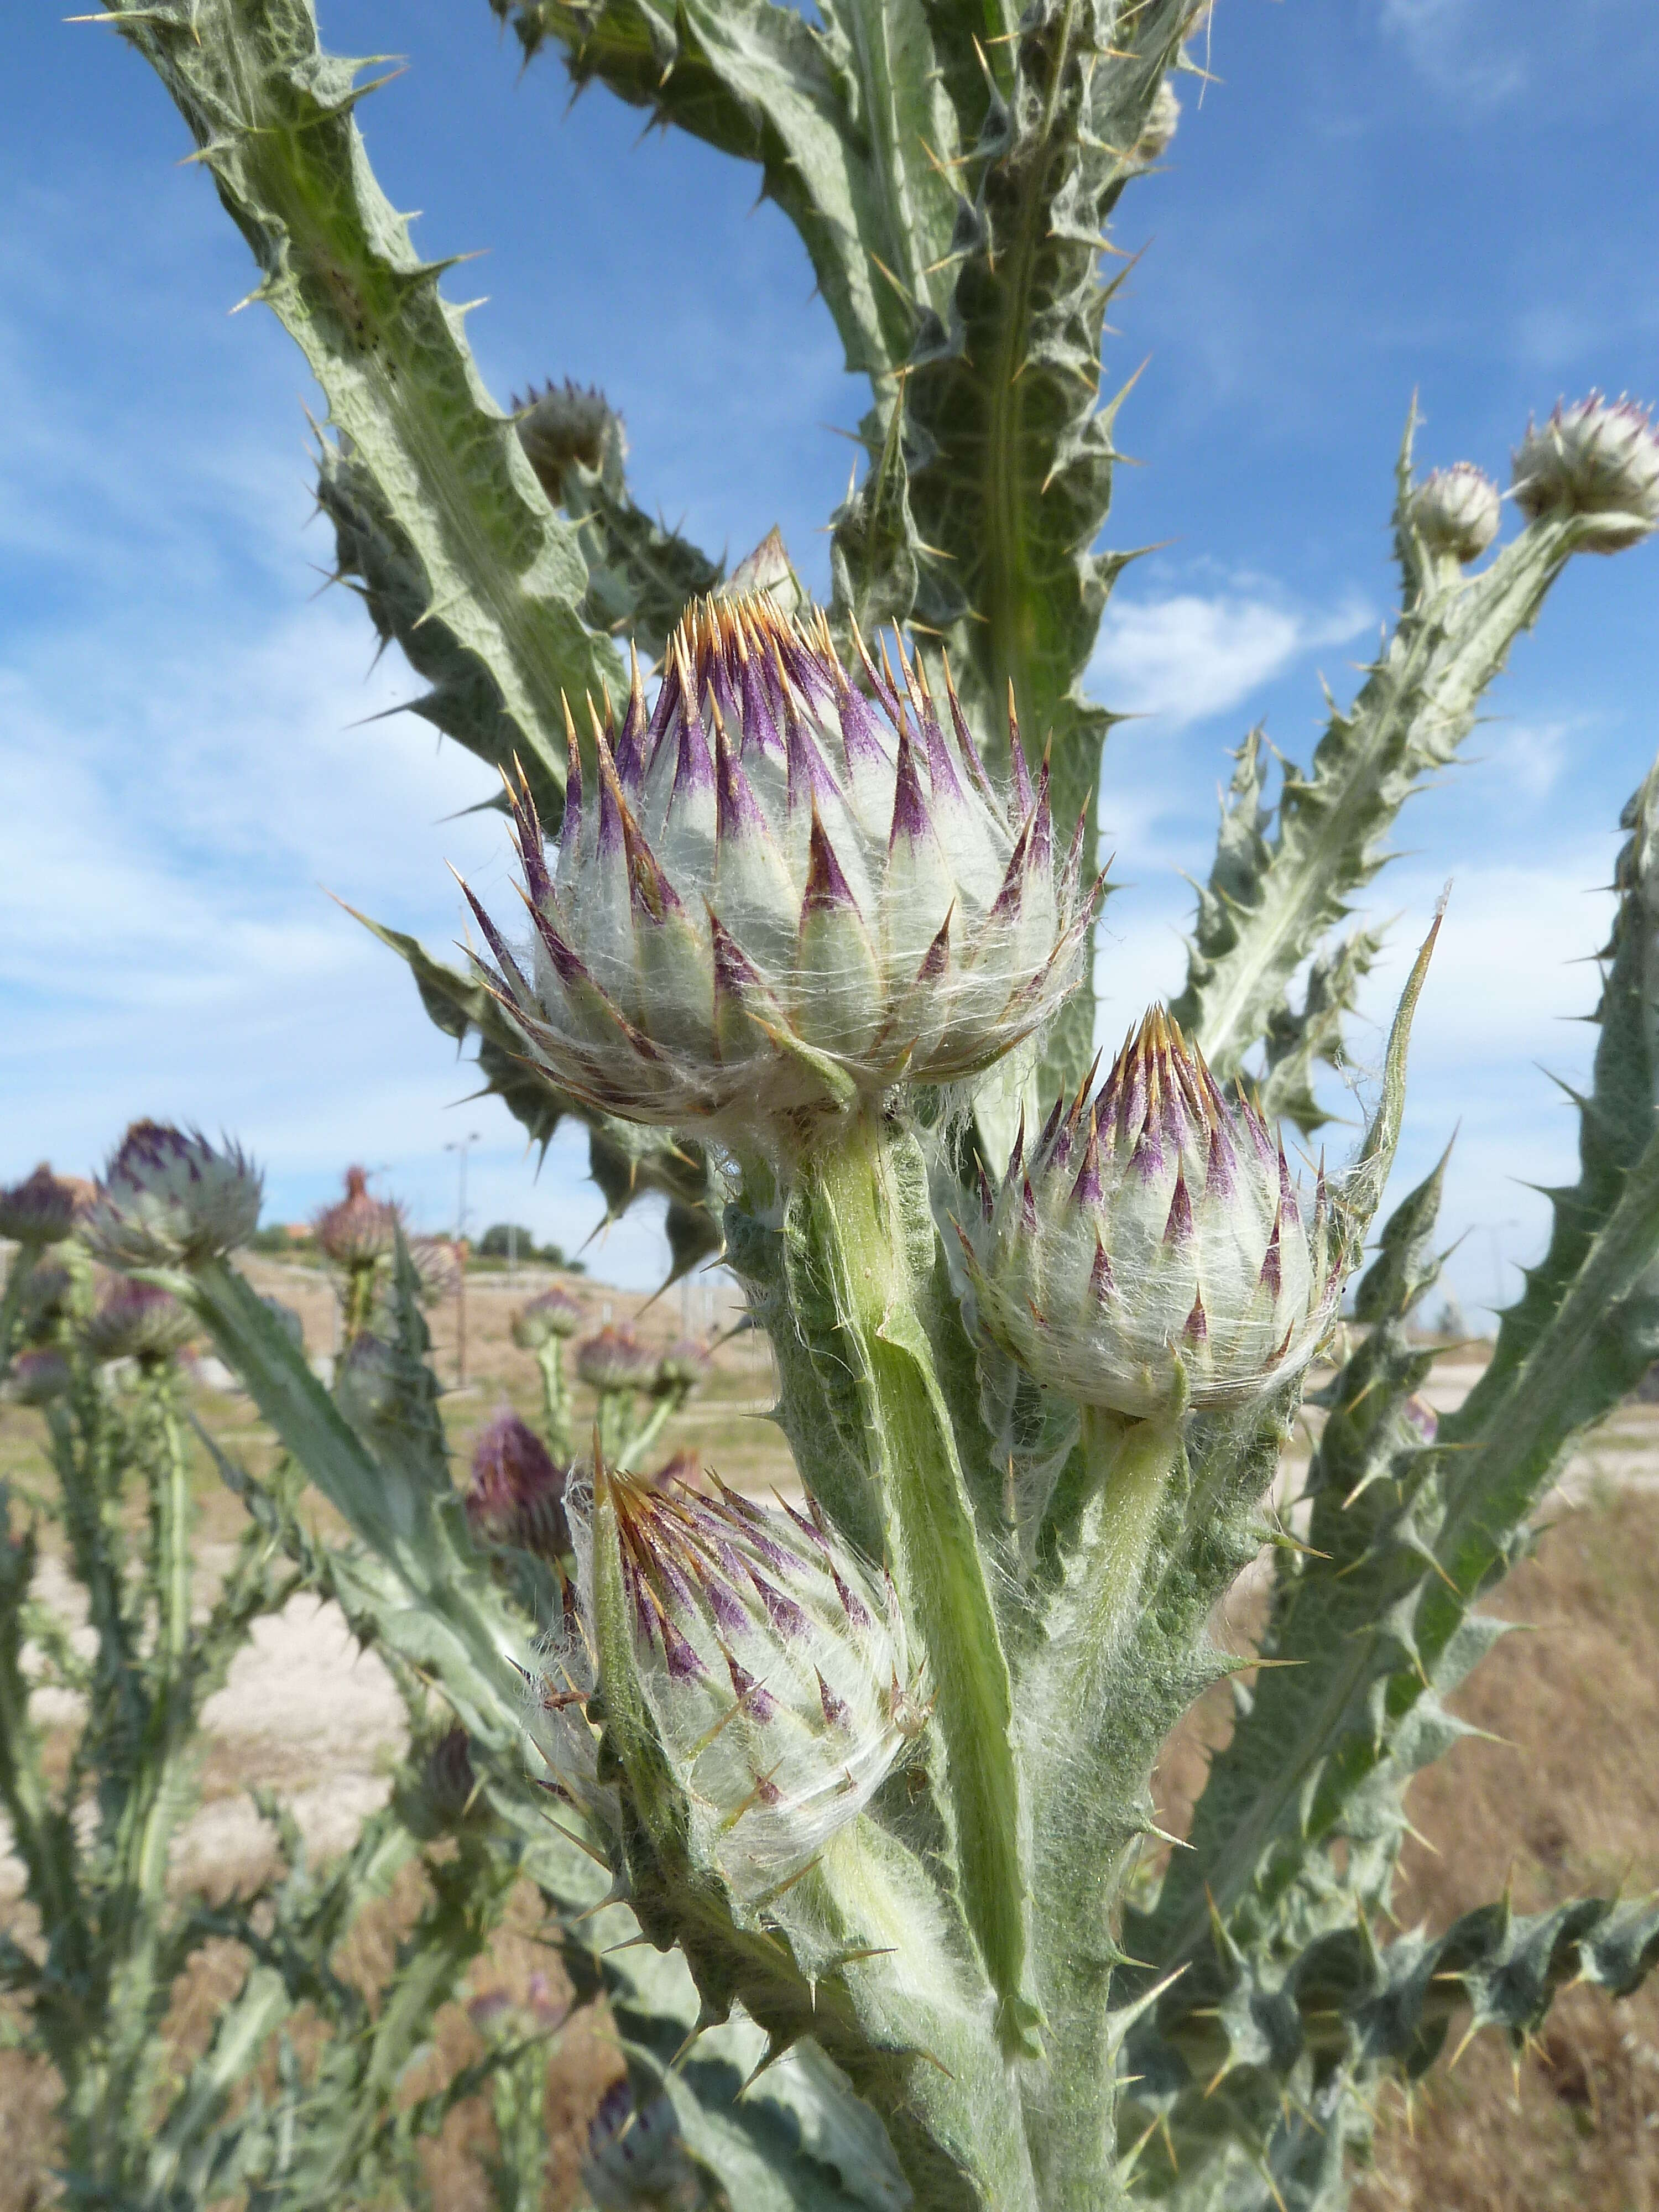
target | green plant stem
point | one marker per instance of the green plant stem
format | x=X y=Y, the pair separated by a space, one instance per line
x=1067 y=1691
x=135 y=1926
x=11 y=1300
x=556 y=1400
x=662 y=1412
x=857 y=1216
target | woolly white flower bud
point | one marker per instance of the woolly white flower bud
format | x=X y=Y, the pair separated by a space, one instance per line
x=357 y=1230
x=686 y=1366
x=138 y=1320
x=615 y=1359
x=556 y=1313
x=1595 y=458
x=774 y=1660
x=1151 y=1253
x=38 y=1377
x=168 y=1198
x=1456 y=511
x=786 y=895
x=517 y=1491
x=41 y=1209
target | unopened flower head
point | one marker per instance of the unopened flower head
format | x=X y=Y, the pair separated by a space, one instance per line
x=555 y=1313
x=40 y=1210
x=775 y=1659
x=47 y=1301
x=785 y=895
x=138 y=1320
x=1598 y=458
x=1456 y=511
x=438 y=1267
x=38 y=1377
x=357 y=1230
x=686 y=1366
x=516 y=1495
x=615 y=1359
x=368 y=1384
x=564 y=427
x=169 y=1199
x=1152 y=1252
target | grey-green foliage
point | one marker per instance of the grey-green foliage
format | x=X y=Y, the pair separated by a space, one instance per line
x=959 y=1955
x=412 y=1588
x=1405 y=1533
x=96 y=1834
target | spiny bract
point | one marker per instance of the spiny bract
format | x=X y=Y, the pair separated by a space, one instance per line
x=1151 y=1253
x=775 y=1662
x=786 y=895
x=1456 y=511
x=1597 y=458
x=169 y=1198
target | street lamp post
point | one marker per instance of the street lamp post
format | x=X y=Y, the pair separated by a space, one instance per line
x=460 y=1146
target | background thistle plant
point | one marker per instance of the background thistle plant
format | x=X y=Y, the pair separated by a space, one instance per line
x=730 y=982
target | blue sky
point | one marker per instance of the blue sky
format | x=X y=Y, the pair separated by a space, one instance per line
x=1376 y=196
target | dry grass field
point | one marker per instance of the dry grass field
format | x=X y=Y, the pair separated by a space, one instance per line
x=1564 y=1799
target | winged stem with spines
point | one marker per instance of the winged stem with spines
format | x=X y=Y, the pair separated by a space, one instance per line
x=951 y=169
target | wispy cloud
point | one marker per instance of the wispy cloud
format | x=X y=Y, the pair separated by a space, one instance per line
x=1188 y=656
x=1460 y=47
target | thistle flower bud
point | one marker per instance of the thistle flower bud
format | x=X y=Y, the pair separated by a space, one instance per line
x=291 y=1323
x=785 y=896
x=1455 y=511
x=38 y=1377
x=1151 y=1253
x=635 y=2156
x=564 y=427
x=1595 y=458
x=615 y=1359
x=685 y=1366
x=168 y=1198
x=516 y=1495
x=47 y=1293
x=438 y=1266
x=357 y=1230
x=366 y=1383
x=41 y=1209
x=496 y=2012
x=775 y=1662
x=138 y=1320
x=448 y=1783
x=556 y=1313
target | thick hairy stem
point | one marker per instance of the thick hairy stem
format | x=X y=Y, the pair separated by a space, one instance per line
x=134 y=1928
x=11 y=1302
x=857 y=1216
x=1066 y=1692
x=556 y=1400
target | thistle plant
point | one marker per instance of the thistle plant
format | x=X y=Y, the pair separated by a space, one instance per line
x=853 y=1795
x=544 y=1327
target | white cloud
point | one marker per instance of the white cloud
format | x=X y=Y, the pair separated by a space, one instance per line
x=1187 y=656
x=1459 y=47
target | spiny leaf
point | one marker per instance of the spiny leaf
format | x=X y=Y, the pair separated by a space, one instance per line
x=1270 y=899
x=273 y=116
